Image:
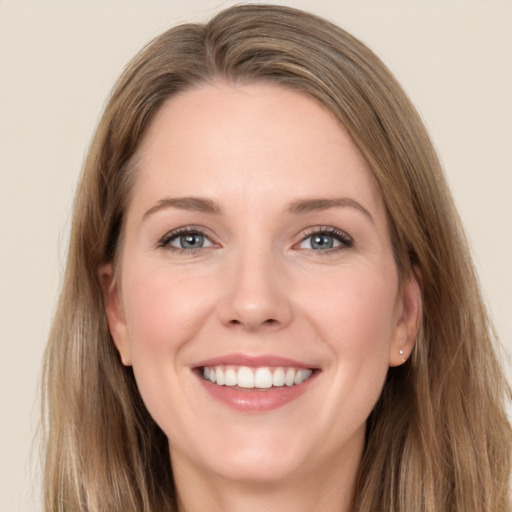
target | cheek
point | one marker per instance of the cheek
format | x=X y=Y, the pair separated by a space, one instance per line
x=162 y=310
x=355 y=318
x=354 y=313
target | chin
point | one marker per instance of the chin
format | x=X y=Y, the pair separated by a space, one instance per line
x=257 y=470
x=245 y=457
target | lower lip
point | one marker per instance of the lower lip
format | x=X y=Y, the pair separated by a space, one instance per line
x=256 y=400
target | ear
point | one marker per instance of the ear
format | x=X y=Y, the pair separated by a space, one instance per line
x=409 y=313
x=115 y=313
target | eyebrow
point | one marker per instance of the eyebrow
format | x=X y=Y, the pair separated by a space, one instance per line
x=204 y=205
x=311 y=205
x=194 y=204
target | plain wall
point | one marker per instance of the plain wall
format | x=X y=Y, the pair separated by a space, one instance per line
x=58 y=61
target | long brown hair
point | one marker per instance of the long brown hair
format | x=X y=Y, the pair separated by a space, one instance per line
x=438 y=440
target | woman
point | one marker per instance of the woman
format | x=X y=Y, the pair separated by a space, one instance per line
x=269 y=301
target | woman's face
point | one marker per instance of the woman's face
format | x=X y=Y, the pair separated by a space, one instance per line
x=257 y=255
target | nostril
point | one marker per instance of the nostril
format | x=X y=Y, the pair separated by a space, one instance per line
x=268 y=322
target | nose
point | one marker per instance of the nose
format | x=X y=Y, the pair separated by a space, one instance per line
x=257 y=297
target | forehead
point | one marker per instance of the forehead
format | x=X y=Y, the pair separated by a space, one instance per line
x=251 y=140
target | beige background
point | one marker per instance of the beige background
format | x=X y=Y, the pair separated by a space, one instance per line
x=58 y=62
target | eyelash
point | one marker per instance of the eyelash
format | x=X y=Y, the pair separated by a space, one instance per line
x=344 y=240
x=165 y=241
x=340 y=236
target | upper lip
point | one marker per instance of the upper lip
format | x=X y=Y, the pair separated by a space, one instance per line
x=254 y=361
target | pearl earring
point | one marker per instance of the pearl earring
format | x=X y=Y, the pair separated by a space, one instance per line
x=402 y=355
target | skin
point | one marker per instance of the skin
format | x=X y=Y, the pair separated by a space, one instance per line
x=258 y=286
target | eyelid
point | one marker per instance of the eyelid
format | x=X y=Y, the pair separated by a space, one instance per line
x=164 y=241
x=344 y=239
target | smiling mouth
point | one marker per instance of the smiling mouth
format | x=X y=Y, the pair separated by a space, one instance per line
x=245 y=377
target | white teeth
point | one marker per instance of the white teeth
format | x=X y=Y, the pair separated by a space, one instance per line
x=278 y=377
x=262 y=378
x=245 y=377
x=230 y=378
x=302 y=375
x=249 y=378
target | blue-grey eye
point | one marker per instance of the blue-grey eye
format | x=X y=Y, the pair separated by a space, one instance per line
x=326 y=240
x=323 y=241
x=190 y=241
